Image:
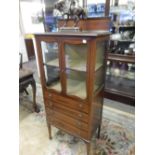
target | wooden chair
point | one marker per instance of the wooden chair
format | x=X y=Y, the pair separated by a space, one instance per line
x=25 y=79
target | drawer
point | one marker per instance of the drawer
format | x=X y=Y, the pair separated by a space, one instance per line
x=68 y=128
x=67 y=102
x=67 y=111
x=54 y=113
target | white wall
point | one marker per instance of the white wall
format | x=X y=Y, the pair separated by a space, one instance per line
x=26 y=10
x=22 y=47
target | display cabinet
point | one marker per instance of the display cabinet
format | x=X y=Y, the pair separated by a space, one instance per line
x=120 y=76
x=72 y=72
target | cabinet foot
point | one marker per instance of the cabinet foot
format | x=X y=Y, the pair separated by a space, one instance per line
x=49 y=131
x=88 y=145
x=98 y=132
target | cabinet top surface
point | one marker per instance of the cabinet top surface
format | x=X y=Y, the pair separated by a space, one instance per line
x=95 y=33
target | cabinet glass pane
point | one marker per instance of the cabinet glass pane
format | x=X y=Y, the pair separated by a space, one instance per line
x=75 y=61
x=51 y=65
x=121 y=77
x=99 y=66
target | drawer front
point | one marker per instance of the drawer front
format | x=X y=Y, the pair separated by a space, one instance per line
x=47 y=94
x=66 y=102
x=68 y=128
x=67 y=111
x=54 y=113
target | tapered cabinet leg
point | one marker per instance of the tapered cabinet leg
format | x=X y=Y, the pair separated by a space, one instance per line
x=98 y=131
x=88 y=145
x=49 y=131
x=33 y=84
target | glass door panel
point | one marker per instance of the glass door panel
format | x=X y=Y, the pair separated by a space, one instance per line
x=99 y=65
x=75 y=63
x=51 y=65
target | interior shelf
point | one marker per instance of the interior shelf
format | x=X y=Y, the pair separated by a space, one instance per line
x=56 y=86
x=79 y=65
x=122 y=58
x=54 y=62
x=127 y=26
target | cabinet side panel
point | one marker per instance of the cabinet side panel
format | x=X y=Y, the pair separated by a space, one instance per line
x=96 y=112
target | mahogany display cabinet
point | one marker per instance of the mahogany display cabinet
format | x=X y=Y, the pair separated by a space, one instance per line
x=72 y=72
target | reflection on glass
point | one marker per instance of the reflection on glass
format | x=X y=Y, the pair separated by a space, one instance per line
x=51 y=65
x=121 y=77
x=76 y=60
x=99 y=66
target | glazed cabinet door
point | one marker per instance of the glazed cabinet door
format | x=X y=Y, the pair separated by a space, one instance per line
x=51 y=64
x=75 y=68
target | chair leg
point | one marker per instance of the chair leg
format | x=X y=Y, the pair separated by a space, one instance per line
x=33 y=84
x=26 y=91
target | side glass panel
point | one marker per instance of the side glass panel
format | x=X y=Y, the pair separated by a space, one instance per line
x=99 y=66
x=76 y=60
x=51 y=65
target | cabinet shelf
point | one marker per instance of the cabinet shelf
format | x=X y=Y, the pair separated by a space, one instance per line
x=121 y=88
x=78 y=65
x=122 y=58
x=54 y=62
x=123 y=41
x=56 y=87
x=74 y=87
x=124 y=26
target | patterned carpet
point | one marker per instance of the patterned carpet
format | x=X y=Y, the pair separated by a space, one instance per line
x=117 y=133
